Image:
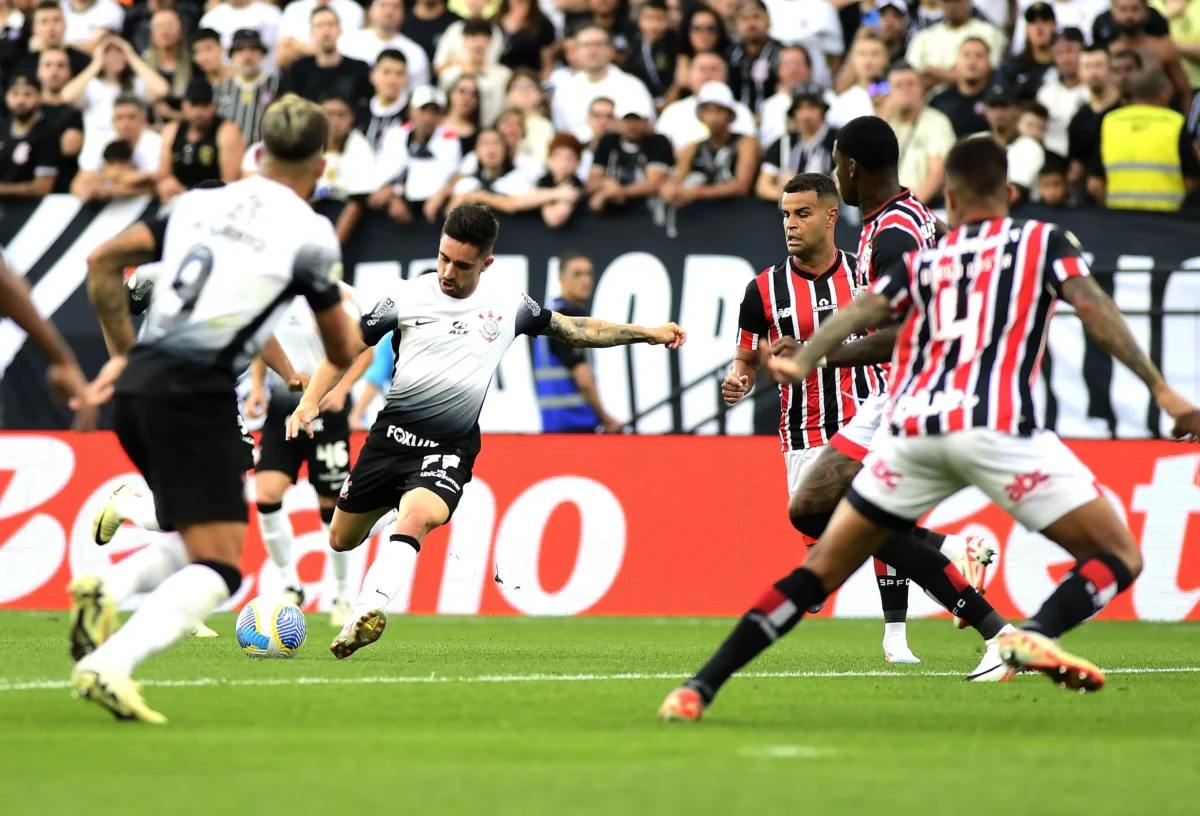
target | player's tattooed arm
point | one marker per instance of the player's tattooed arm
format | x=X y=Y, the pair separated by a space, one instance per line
x=870 y=350
x=868 y=312
x=590 y=332
x=106 y=283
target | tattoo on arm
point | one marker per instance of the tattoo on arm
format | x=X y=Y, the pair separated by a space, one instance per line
x=1104 y=322
x=868 y=312
x=869 y=350
x=588 y=332
x=111 y=302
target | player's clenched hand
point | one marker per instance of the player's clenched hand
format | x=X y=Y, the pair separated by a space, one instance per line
x=1186 y=415
x=334 y=401
x=302 y=417
x=785 y=369
x=256 y=403
x=669 y=335
x=785 y=345
x=734 y=387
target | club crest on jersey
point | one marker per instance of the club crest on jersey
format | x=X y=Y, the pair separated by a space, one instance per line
x=491 y=326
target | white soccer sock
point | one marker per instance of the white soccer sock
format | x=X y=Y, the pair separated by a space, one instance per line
x=954 y=547
x=390 y=572
x=139 y=509
x=166 y=617
x=340 y=561
x=277 y=536
x=895 y=630
x=146 y=568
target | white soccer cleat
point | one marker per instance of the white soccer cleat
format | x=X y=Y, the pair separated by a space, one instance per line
x=895 y=650
x=339 y=613
x=979 y=554
x=113 y=691
x=294 y=595
x=359 y=632
x=93 y=615
x=108 y=520
x=991 y=668
x=202 y=631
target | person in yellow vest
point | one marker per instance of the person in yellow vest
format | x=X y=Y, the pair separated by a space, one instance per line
x=1146 y=159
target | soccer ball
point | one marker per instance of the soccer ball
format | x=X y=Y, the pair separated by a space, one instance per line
x=271 y=628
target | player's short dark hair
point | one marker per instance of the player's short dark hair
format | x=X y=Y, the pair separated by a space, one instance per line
x=871 y=142
x=206 y=34
x=118 y=151
x=391 y=54
x=977 y=167
x=1037 y=109
x=818 y=183
x=1053 y=165
x=473 y=224
x=476 y=28
x=337 y=95
x=294 y=129
x=570 y=255
x=1072 y=34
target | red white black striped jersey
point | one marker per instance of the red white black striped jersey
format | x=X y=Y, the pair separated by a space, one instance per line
x=785 y=302
x=902 y=224
x=978 y=311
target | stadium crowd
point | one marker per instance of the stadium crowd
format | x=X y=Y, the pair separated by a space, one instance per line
x=567 y=106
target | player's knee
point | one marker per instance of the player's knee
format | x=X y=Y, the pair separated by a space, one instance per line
x=1131 y=557
x=806 y=518
x=268 y=491
x=416 y=522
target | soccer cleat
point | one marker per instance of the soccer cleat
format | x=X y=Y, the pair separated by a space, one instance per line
x=108 y=521
x=339 y=613
x=115 y=691
x=683 y=704
x=93 y=615
x=202 y=631
x=991 y=668
x=359 y=632
x=895 y=650
x=1028 y=651
x=980 y=553
x=294 y=595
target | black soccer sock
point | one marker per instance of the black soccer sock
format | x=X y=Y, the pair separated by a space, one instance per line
x=773 y=616
x=893 y=592
x=933 y=572
x=1084 y=591
x=932 y=536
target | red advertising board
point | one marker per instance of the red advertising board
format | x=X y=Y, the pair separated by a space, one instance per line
x=558 y=525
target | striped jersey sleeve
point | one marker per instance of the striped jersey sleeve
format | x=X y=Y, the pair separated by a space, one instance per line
x=1064 y=259
x=893 y=282
x=752 y=319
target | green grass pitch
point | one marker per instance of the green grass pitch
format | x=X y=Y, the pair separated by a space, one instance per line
x=462 y=716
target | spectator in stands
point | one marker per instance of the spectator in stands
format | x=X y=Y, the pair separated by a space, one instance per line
x=925 y=135
x=510 y=124
x=602 y=119
x=1063 y=92
x=720 y=167
x=866 y=67
x=245 y=97
x=12 y=35
x=703 y=32
x=1079 y=14
x=962 y=102
x=209 y=56
x=167 y=53
x=418 y=161
x=655 y=51
x=559 y=192
x=326 y=72
x=383 y=34
x=1146 y=160
x=894 y=28
x=630 y=165
x=754 y=57
x=527 y=37
x=427 y=23
x=90 y=21
x=815 y=25
x=597 y=77
x=231 y=16
x=491 y=78
x=97 y=180
x=298 y=29
x=490 y=176
x=934 y=51
x=139 y=20
x=53 y=73
x=450 y=44
x=1024 y=72
x=1134 y=32
x=613 y=17
x=1083 y=134
x=463 y=111
x=807 y=147
x=1025 y=155
x=1183 y=16
x=29 y=149
x=680 y=121
x=525 y=94
x=1109 y=25
x=389 y=104
x=1053 y=189
x=202 y=147
x=49 y=31
x=349 y=166
x=490 y=169
x=795 y=68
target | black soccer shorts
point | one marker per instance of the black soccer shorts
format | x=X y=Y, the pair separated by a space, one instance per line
x=327 y=452
x=387 y=469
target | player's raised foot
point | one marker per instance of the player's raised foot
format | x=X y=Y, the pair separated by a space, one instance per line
x=114 y=691
x=93 y=615
x=294 y=595
x=108 y=520
x=202 y=631
x=1029 y=651
x=979 y=554
x=683 y=704
x=895 y=650
x=991 y=668
x=359 y=632
x=339 y=613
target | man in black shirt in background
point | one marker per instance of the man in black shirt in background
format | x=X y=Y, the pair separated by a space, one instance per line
x=389 y=104
x=28 y=143
x=426 y=22
x=54 y=70
x=632 y=163
x=754 y=58
x=1083 y=133
x=327 y=72
x=653 y=53
x=962 y=102
x=50 y=31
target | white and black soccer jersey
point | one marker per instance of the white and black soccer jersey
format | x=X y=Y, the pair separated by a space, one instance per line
x=299 y=336
x=447 y=350
x=233 y=259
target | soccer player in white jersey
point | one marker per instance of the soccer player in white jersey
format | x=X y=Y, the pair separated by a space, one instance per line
x=237 y=257
x=450 y=331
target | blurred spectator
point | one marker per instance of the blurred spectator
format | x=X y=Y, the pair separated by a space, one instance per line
x=427 y=23
x=1083 y=134
x=703 y=32
x=680 y=121
x=1053 y=189
x=570 y=64
x=613 y=17
x=754 y=58
x=559 y=192
x=720 y=167
x=201 y=147
x=527 y=37
x=1125 y=66
x=209 y=56
x=962 y=102
x=54 y=71
x=168 y=54
x=450 y=44
x=1025 y=154
x=631 y=164
x=463 y=111
x=376 y=381
x=1063 y=92
x=139 y=20
x=1143 y=30
x=1146 y=160
x=597 y=77
x=389 y=104
x=49 y=31
x=1079 y=14
x=1122 y=17
x=601 y=120
x=12 y=34
x=933 y=51
x=383 y=34
x=727 y=11
x=244 y=97
x=349 y=166
x=1024 y=72
x=894 y=28
x=229 y=17
x=298 y=29
x=29 y=148
x=496 y=180
x=326 y=72
x=815 y=25
x=490 y=78
x=655 y=51
x=491 y=171
x=566 y=388
x=1183 y=16
x=90 y=21
x=807 y=147
x=527 y=157
x=525 y=94
x=100 y=179
x=925 y=135
x=417 y=161
x=867 y=64
x=795 y=68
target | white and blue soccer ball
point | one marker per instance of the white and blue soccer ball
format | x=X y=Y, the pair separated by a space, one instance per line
x=271 y=627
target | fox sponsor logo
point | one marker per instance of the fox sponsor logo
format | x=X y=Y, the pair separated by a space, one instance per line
x=1025 y=483
x=880 y=471
x=403 y=437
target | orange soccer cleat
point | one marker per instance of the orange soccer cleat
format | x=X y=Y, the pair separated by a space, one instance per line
x=1029 y=651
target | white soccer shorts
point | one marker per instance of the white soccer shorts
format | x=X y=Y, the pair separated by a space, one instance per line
x=1037 y=480
x=798 y=462
x=854 y=439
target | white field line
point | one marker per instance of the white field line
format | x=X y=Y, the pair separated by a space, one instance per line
x=434 y=679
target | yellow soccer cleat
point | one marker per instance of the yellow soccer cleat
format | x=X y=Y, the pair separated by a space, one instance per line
x=683 y=704
x=1029 y=651
x=114 y=691
x=108 y=521
x=359 y=632
x=93 y=615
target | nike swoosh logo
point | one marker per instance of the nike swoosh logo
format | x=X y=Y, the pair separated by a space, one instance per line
x=424 y=322
x=448 y=487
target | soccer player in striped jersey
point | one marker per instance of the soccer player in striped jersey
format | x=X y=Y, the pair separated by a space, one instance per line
x=791 y=300
x=976 y=311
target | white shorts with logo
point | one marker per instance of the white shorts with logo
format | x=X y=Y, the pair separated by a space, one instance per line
x=1037 y=480
x=798 y=462
x=854 y=439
